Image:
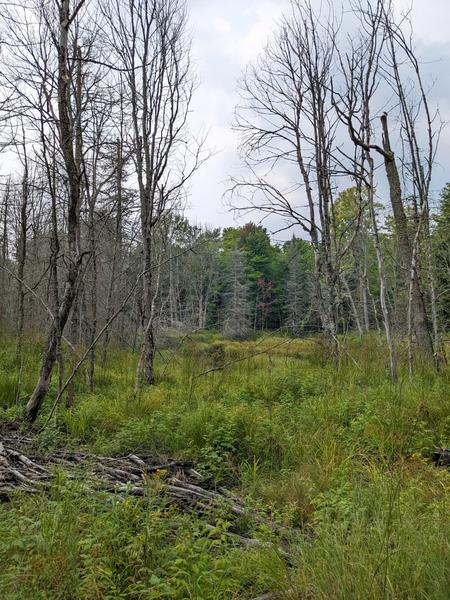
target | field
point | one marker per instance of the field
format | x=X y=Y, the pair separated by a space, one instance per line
x=335 y=454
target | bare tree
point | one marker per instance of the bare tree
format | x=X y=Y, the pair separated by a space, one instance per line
x=377 y=59
x=4 y=213
x=286 y=120
x=23 y=219
x=151 y=48
x=360 y=67
x=41 y=74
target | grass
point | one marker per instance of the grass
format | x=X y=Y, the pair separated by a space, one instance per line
x=337 y=451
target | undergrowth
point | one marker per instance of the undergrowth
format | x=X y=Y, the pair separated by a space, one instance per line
x=335 y=450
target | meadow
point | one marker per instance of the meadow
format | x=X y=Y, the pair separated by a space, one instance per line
x=335 y=453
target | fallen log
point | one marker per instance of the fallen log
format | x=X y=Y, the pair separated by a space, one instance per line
x=175 y=478
x=132 y=475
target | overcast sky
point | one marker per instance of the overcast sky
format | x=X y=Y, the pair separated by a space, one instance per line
x=228 y=34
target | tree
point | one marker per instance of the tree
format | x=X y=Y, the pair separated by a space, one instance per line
x=383 y=50
x=441 y=254
x=150 y=47
x=299 y=284
x=202 y=270
x=286 y=117
x=358 y=268
x=236 y=310
x=43 y=77
x=254 y=241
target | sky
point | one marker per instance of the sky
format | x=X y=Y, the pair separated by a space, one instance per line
x=229 y=34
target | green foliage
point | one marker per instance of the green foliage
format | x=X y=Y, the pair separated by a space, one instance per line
x=265 y=270
x=255 y=242
x=339 y=452
x=17 y=379
x=72 y=546
x=381 y=535
x=441 y=254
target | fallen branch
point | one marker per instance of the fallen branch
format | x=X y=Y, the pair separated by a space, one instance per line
x=174 y=478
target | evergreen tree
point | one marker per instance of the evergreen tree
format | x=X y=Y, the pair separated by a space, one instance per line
x=441 y=243
x=236 y=312
x=299 y=284
x=261 y=256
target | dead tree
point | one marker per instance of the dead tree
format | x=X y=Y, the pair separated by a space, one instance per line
x=4 y=249
x=69 y=140
x=286 y=118
x=117 y=244
x=23 y=213
x=150 y=47
x=360 y=66
x=40 y=76
x=420 y=133
x=376 y=60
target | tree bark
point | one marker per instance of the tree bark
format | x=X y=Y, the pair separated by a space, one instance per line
x=419 y=315
x=21 y=255
x=67 y=142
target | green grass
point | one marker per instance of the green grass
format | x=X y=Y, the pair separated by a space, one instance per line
x=69 y=546
x=337 y=451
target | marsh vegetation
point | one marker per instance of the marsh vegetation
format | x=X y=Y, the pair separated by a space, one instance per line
x=337 y=457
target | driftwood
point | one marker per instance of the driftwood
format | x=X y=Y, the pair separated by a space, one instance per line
x=175 y=479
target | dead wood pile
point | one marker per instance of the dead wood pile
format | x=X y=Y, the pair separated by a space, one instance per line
x=131 y=474
x=178 y=480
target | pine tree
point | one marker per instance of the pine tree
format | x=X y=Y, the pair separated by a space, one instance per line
x=299 y=286
x=441 y=243
x=236 y=312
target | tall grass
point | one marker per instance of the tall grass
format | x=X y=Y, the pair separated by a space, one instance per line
x=339 y=452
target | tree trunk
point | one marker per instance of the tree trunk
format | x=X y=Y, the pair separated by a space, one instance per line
x=53 y=342
x=22 y=252
x=419 y=315
x=349 y=295
x=148 y=350
x=381 y=271
x=117 y=245
x=66 y=140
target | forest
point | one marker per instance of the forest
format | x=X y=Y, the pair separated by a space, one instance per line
x=252 y=411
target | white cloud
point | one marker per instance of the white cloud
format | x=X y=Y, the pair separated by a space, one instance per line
x=221 y=25
x=430 y=18
x=230 y=33
x=263 y=16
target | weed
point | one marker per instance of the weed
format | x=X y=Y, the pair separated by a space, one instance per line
x=341 y=453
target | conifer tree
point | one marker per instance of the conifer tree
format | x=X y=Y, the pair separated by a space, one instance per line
x=235 y=297
x=299 y=284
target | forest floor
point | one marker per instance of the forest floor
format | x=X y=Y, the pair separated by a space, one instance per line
x=317 y=476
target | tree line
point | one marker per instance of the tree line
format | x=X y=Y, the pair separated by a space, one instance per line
x=95 y=250
x=338 y=98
